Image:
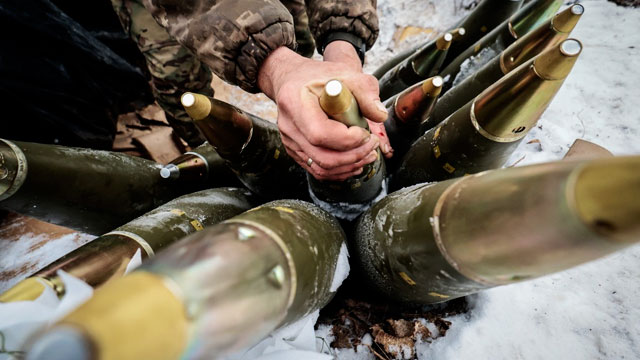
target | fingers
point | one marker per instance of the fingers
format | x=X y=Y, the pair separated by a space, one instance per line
x=385 y=145
x=320 y=173
x=365 y=89
x=313 y=124
x=328 y=159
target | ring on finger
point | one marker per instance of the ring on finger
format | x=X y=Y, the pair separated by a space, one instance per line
x=309 y=162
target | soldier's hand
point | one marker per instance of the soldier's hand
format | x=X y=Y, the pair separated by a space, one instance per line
x=295 y=83
x=343 y=52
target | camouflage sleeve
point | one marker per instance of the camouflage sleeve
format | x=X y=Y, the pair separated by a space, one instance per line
x=233 y=37
x=357 y=17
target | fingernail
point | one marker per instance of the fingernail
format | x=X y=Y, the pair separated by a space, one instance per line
x=366 y=138
x=385 y=148
x=381 y=107
x=359 y=171
x=373 y=156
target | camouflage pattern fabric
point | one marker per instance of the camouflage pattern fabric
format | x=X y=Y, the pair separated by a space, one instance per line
x=174 y=69
x=234 y=37
x=357 y=17
x=304 y=41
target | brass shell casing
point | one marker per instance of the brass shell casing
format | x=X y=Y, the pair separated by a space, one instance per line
x=483 y=133
x=227 y=128
x=566 y=20
x=457 y=33
x=422 y=64
x=252 y=148
x=522 y=96
x=341 y=105
x=557 y=62
x=443 y=42
x=498 y=227
x=417 y=101
x=523 y=21
x=136 y=317
x=405 y=114
x=197 y=106
x=540 y=39
x=523 y=50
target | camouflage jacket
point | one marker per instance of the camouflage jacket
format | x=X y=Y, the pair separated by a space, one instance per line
x=234 y=37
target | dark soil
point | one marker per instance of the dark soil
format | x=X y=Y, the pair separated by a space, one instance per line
x=627 y=3
x=355 y=312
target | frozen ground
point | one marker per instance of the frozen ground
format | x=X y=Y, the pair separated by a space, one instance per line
x=589 y=312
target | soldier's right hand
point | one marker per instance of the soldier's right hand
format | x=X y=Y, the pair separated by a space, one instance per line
x=295 y=83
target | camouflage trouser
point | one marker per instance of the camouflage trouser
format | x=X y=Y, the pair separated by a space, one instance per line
x=174 y=69
x=305 y=42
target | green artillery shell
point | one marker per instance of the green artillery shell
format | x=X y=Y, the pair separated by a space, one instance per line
x=526 y=19
x=533 y=43
x=406 y=111
x=87 y=190
x=484 y=18
x=106 y=257
x=483 y=133
x=436 y=242
x=251 y=147
x=423 y=64
x=201 y=165
x=348 y=198
x=217 y=291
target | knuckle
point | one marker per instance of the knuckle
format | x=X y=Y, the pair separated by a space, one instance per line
x=316 y=137
x=370 y=82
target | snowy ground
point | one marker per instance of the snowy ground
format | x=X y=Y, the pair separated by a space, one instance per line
x=590 y=312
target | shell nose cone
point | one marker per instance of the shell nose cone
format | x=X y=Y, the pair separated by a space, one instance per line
x=61 y=343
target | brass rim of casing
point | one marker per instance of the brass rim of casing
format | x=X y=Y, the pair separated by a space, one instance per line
x=21 y=169
x=512 y=31
x=204 y=160
x=283 y=247
x=438 y=238
x=485 y=133
x=137 y=238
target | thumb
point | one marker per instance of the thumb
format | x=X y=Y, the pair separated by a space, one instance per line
x=365 y=89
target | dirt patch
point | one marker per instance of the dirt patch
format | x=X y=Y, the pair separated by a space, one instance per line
x=627 y=3
x=395 y=328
